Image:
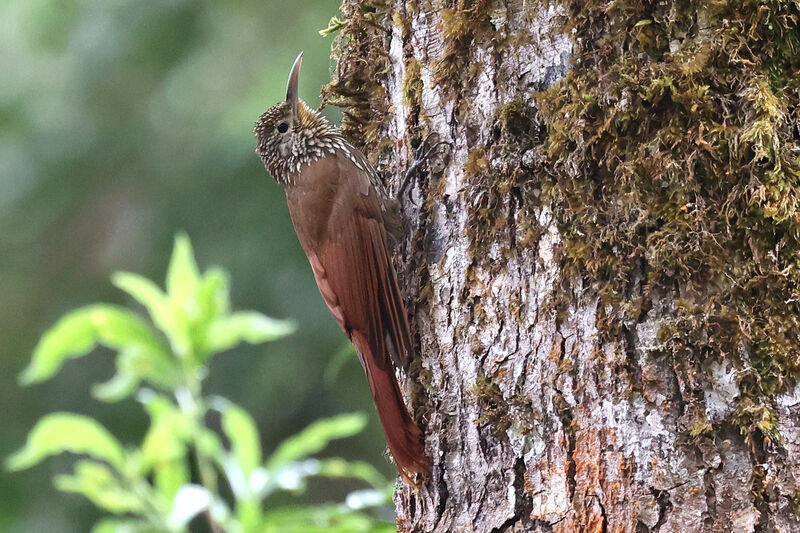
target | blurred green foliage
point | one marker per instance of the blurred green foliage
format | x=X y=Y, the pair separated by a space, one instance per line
x=121 y=122
x=151 y=486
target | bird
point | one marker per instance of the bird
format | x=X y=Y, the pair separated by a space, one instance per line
x=340 y=212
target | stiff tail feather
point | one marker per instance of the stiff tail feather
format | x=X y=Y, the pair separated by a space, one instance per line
x=402 y=433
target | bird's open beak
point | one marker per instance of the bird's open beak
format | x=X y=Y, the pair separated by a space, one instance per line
x=291 y=86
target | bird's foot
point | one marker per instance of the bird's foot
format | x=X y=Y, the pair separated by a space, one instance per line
x=430 y=151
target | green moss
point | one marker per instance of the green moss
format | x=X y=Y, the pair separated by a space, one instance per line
x=700 y=428
x=483 y=199
x=361 y=48
x=675 y=158
x=498 y=191
x=462 y=23
x=500 y=413
x=494 y=408
x=512 y=116
x=757 y=419
x=759 y=490
x=412 y=84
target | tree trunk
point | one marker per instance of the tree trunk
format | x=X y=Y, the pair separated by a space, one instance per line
x=604 y=275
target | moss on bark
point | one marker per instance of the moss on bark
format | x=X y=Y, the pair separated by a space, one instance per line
x=361 y=50
x=675 y=146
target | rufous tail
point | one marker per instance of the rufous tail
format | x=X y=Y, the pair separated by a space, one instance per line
x=402 y=433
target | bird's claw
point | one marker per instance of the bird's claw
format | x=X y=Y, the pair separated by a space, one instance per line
x=430 y=146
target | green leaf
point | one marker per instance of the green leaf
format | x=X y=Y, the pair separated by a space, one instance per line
x=99 y=484
x=334 y=25
x=210 y=444
x=366 y=498
x=146 y=293
x=72 y=336
x=67 y=432
x=119 y=387
x=315 y=438
x=120 y=328
x=154 y=367
x=317 y=519
x=77 y=333
x=383 y=527
x=249 y=514
x=169 y=477
x=133 y=365
x=293 y=477
x=337 y=467
x=213 y=294
x=115 y=525
x=212 y=302
x=166 y=315
x=249 y=326
x=183 y=276
x=170 y=430
x=240 y=428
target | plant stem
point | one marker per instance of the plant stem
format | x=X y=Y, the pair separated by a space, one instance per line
x=151 y=508
x=191 y=402
x=209 y=481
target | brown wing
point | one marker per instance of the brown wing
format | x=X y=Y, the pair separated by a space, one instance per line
x=337 y=218
x=346 y=243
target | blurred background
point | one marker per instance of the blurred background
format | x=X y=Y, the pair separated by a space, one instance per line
x=121 y=123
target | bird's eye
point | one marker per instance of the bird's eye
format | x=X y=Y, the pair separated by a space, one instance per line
x=283 y=127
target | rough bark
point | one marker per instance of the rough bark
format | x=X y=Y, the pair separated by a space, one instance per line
x=538 y=414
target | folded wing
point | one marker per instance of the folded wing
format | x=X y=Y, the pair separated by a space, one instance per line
x=351 y=264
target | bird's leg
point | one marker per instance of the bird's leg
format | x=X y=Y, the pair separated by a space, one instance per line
x=395 y=223
x=429 y=147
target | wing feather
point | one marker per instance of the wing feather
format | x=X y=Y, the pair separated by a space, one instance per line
x=348 y=252
x=346 y=244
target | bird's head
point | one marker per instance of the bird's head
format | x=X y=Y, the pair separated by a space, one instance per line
x=291 y=134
